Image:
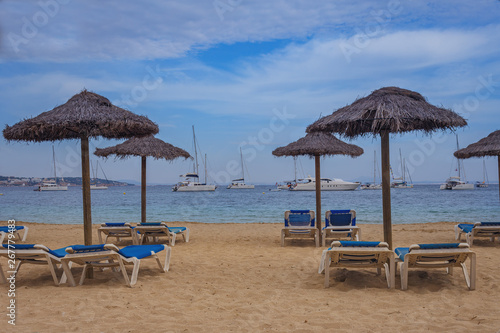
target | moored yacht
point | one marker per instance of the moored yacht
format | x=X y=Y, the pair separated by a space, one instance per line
x=240 y=183
x=454 y=183
x=191 y=184
x=327 y=184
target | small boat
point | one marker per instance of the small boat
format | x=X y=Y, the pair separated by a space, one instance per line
x=327 y=184
x=240 y=183
x=191 y=182
x=374 y=185
x=484 y=183
x=455 y=182
x=401 y=182
x=51 y=185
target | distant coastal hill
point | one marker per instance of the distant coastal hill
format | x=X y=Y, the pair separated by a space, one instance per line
x=70 y=181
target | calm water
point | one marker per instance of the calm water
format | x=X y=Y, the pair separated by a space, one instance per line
x=423 y=203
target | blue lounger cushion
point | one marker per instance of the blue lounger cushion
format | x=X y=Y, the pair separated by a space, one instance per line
x=57 y=253
x=402 y=251
x=154 y=224
x=7 y=229
x=177 y=229
x=466 y=227
x=137 y=251
x=357 y=244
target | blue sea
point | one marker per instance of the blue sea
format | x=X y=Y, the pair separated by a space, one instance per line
x=423 y=203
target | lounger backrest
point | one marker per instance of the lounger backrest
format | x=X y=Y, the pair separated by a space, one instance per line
x=299 y=218
x=489 y=224
x=365 y=257
x=338 y=218
x=433 y=255
x=115 y=224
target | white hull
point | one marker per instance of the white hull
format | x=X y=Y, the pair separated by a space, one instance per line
x=97 y=187
x=402 y=186
x=239 y=186
x=51 y=188
x=194 y=188
x=326 y=185
x=454 y=183
x=371 y=187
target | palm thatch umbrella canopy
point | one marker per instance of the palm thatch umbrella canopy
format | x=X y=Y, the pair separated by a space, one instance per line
x=488 y=146
x=85 y=115
x=318 y=144
x=144 y=147
x=384 y=111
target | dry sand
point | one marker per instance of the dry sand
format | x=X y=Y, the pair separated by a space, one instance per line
x=237 y=278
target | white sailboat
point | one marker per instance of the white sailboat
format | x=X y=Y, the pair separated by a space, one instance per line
x=191 y=182
x=484 y=183
x=240 y=182
x=374 y=185
x=455 y=182
x=96 y=186
x=327 y=184
x=401 y=182
x=52 y=185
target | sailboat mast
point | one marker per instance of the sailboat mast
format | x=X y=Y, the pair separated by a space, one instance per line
x=242 y=167
x=295 y=168
x=54 y=158
x=458 y=161
x=205 y=168
x=402 y=165
x=195 y=154
x=374 y=167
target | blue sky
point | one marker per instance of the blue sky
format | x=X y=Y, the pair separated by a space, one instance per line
x=249 y=74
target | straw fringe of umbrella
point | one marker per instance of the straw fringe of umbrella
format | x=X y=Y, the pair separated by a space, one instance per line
x=390 y=109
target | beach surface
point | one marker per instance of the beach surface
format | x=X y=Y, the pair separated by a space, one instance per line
x=237 y=278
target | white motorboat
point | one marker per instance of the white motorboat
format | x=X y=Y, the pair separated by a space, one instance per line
x=456 y=182
x=288 y=184
x=374 y=185
x=51 y=185
x=327 y=184
x=240 y=183
x=191 y=182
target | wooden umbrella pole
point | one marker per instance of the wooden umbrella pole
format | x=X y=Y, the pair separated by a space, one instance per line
x=318 y=194
x=143 y=190
x=386 y=188
x=87 y=215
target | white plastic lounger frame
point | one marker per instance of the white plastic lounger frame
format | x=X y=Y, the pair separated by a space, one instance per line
x=478 y=229
x=183 y=231
x=154 y=230
x=38 y=255
x=109 y=257
x=118 y=231
x=348 y=254
x=300 y=224
x=331 y=230
x=5 y=230
x=439 y=258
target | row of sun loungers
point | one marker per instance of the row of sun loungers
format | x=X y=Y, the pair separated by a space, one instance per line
x=142 y=232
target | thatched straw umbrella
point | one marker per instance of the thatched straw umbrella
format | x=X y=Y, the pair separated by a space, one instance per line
x=85 y=115
x=318 y=144
x=384 y=111
x=144 y=147
x=488 y=146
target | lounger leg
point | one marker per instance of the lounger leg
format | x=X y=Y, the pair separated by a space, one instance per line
x=67 y=273
x=358 y=235
x=99 y=236
x=470 y=279
x=316 y=237
x=25 y=233
x=282 y=237
x=52 y=268
x=392 y=272
x=323 y=238
x=457 y=233
x=135 y=272
x=186 y=235
x=64 y=276
x=403 y=271
x=85 y=267
x=326 y=265
x=470 y=238
x=166 y=265
x=173 y=239
x=2 y=275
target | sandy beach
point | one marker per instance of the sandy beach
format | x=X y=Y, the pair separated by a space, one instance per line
x=237 y=278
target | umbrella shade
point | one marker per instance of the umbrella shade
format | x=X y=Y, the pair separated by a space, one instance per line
x=384 y=111
x=85 y=115
x=318 y=144
x=144 y=147
x=488 y=146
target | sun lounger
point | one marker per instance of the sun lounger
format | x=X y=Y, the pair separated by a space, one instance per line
x=118 y=231
x=336 y=222
x=446 y=255
x=14 y=230
x=355 y=254
x=299 y=224
x=110 y=256
x=479 y=229
x=183 y=231
x=155 y=230
x=19 y=254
